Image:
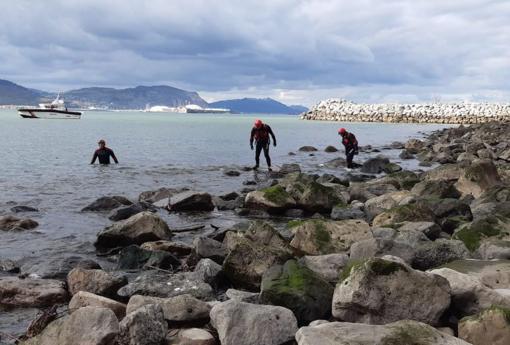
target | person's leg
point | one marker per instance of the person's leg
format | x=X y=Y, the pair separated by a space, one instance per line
x=350 y=156
x=266 y=154
x=258 y=149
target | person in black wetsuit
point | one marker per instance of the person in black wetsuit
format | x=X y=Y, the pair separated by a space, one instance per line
x=260 y=133
x=350 y=144
x=103 y=153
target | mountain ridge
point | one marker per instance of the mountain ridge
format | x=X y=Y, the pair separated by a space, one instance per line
x=257 y=105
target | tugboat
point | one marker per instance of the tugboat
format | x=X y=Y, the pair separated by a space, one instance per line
x=53 y=110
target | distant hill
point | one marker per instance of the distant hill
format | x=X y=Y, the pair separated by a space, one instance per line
x=132 y=98
x=257 y=105
x=298 y=108
x=14 y=94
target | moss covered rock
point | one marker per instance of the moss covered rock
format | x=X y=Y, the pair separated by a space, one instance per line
x=317 y=236
x=473 y=233
x=491 y=326
x=274 y=199
x=299 y=289
x=379 y=291
x=418 y=211
x=479 y=177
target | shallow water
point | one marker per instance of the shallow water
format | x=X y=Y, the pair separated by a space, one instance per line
x=45 y=164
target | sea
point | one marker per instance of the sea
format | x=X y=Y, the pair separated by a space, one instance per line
x=46 y=164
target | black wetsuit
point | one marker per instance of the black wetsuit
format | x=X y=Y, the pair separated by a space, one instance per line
x=262 y=140
x=351 y=148
x=104 y=155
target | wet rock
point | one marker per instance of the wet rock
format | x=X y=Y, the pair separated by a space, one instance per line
x=154 y=196
x=492 y=326
x=95 y=281
x=140 y=228
x=378 y=291
x=11 y=223
x=375 y=165
x=327 y=266
x=9 y=266
x=194 y=336
x=23 y=208
x=191 y=201
x=469 y=295
x=231 y=173
x=450 y=213
x=364 y=191
x=31 y=292
x=316 y=237
x=126 y=212
x=397 y=145
x=307 y=149
x=410 y=212
x=273 y=199
x=405 y=154
x=330 y=149
x=291 y=154
x=477 y=178
x=336 y=163
x=87 y=325
x=160 y=284
x=391 y=168
x=243 y=296
x=402 y=332
x=56 y=268
x=228 y=205
x=183 y=308
x=87 y=299
x=346 y=212
x=144 y=326
x=414 y=145
x=107 y=203
x=290 y=168
x=240 y=323
x=231 y=196
x=299 y=289
x=210 y=272
x=133 y=257
x=174 y=247
x=208 y=248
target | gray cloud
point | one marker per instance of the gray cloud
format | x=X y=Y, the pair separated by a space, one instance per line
x=298 y=51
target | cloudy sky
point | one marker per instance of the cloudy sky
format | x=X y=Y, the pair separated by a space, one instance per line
x=297 y=51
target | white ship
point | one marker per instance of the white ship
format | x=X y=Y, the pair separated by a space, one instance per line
x=53 y=110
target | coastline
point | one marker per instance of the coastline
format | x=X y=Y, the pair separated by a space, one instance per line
x=435 y=113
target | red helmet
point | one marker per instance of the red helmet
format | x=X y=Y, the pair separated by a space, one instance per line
x=342 y=131
x=258 y=124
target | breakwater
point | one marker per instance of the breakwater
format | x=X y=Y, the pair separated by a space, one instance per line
x=443 y=113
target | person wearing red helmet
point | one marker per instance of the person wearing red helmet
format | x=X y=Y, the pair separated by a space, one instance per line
x=350 y=144
x=261 y=134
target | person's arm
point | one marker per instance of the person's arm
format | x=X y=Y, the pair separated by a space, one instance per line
x=272 y=135
x=252 y=136
x=113 y=156
x=94 y=157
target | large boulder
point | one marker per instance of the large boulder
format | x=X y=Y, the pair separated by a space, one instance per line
x=469 y=294
x=160 y=284
x=439 y=252
x=206 y=247
x=140 y=228
x=414 y=145
x=404 y=179
x=134 y=257
x=240 y=323
x=11 y=223
x=299 y=289
x=95 y=281
x=87 y=325
x=364 y=191
x=491 y=326
x=327 y=266
x=378 y=291
x=191 y=201
x=473 y=233
x=144 y=326
x=87 y=299
x=122 y=213
x=316 y=237
x=32 y=293
x=107 y=203
x=374 y=165
x=435 y=189
x=182 y=308
x=404 y=332
x=379 y=204
x=410 y=212
x=274 y=199
x=478 y=177
x=492 y=273
x=448 y=172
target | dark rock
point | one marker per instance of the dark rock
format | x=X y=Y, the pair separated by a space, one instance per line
x=290 y=168
x=125 y=212
x=134 y=257
x=107 y=203
x=231 y=173
x=291 y=154
x=208 y=248
x=95 y=281
x=329 y=178
x=299 y=289
x=191 y=201
x=230 y=196
x=391 y=168
x=330 y=149
x=439 y=252
x=57 y=268
x=374 y=165
x=336 y=163
x=175 y=247
x=249 y=183
x=211 y=273
x=11 y=223
x=307 y=149
x=31 y=293
x=346 y=212
x=405 y=155
x=144 y=326
x=294 y=213
x=9 y=266
x=22 y=208
x=396 y=145
x=436 y=189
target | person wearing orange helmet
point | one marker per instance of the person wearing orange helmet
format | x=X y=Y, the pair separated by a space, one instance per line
x=350 y=144
x=261 y=134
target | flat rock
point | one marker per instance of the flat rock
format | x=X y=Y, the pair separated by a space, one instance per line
x=87 y=299
x=11 y=223
x=23 y=208
x=191 y=201
x=183 y=308
x=327 y=266
x=194 y=336
x=95 y=281
x=56 y=267
x=31 y=292
x=107 y=203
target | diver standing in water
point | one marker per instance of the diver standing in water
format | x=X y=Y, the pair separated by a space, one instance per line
x=103 y=153
x=261 y=134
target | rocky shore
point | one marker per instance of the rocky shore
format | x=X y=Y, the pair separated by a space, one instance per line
x=384 y=256
x=443 y=113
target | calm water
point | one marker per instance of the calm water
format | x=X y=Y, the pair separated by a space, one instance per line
x=45 y=164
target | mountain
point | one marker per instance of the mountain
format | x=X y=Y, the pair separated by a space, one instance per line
x=14 y=94
x=132 y=98
x=256 y=105
x=298 y=108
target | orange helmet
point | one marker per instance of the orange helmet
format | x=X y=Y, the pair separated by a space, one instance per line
x=258 y=123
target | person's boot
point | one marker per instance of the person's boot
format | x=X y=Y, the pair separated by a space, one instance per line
x=269 y=169
x=256 y=167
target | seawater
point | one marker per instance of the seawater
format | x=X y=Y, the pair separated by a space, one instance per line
x=45 y=164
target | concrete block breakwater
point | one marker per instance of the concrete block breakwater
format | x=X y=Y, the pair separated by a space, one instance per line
x=447 y=113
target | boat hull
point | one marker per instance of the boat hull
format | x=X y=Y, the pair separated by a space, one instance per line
x=48 y=114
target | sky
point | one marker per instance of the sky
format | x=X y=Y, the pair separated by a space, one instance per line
x=296 y=51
